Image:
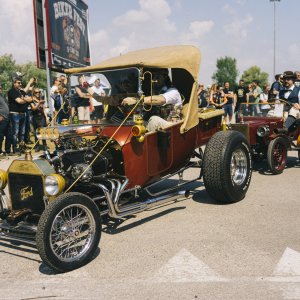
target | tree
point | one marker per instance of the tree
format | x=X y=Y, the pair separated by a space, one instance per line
x=30 y=70
x=255 y=73
x=226 y=71
x=8 y=67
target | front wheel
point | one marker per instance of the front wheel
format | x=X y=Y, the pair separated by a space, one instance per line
x=227 y=166
x=68 y=232
x=277 y=155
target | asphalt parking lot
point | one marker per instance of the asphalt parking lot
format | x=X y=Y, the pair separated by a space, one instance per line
x=191 y=249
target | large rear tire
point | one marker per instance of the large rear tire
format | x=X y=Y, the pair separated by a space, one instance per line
x=227 y=166
x=68 y=232
x=277 y=155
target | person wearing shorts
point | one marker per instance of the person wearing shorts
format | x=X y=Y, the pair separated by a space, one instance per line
x=97 y=113
x=83 y=100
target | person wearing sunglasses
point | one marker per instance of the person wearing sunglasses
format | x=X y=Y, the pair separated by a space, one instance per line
x=18 y=102
x=39 y=118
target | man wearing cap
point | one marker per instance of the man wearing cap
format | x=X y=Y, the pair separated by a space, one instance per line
x=291 y=94
x=4 y=114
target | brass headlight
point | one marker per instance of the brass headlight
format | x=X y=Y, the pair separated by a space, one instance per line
x=54 y=184
x=3 y=179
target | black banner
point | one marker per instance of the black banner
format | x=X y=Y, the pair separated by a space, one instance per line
x=68 y=37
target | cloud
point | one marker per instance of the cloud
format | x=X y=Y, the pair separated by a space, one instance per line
x=239 y=28
x=151 y=12
x=229 y=9
x=17 y=29
x=196 y=30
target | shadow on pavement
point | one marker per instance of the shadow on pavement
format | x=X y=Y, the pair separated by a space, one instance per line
x=111 y=227
x=44 y=269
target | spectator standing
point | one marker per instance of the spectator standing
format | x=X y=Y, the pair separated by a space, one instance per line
x=217 y=97
x=228 y=106
x=4 y=119
x=240 y=98
x=250 y=100
x=28 y=114
x=63 y=81
x=265 y=106
x=202 y=96
x=97 y=113
x=56 y=100
x=276 y=87
x=297 y=81
x=39 y=118
x=83 y=100
x=18 y=103
x=256 y=91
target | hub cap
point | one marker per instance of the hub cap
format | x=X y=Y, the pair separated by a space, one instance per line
x=238 y=167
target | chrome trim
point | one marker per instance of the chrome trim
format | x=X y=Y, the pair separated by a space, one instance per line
x=238 y=167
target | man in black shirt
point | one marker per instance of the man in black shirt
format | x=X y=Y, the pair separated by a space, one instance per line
x=240 y=97
x=228 y=109
x=18 y=103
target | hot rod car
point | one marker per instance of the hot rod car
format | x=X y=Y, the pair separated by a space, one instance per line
x=117 y=168
x=266 y=134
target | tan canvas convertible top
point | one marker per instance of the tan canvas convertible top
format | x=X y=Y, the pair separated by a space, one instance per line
x=180 y=56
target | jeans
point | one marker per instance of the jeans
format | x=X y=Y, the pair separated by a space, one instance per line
x=3 y=131
x=28 y=121
x=17 y=128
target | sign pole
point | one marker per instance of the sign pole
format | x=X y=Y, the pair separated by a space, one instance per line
x=48 y=73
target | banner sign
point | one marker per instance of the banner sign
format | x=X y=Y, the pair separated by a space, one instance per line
x=67 y=30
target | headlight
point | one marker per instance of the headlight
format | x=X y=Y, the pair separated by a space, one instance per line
x=54 y=184
x=263 y=130
x=3 y=179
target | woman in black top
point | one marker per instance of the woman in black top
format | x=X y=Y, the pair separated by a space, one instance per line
x=38 y=115
x=83 y=100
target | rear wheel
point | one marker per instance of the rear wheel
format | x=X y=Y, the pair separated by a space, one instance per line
x=227 y=166
x=277 y=155
x=68 y=232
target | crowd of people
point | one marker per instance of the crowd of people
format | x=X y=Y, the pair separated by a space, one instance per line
x=23 y=109
x=252 y=99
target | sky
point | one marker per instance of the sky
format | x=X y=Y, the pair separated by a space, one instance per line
x=241 y=29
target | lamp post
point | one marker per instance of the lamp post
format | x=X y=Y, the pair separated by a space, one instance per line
x=274 y=62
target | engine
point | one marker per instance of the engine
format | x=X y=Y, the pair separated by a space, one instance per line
x=83 y=159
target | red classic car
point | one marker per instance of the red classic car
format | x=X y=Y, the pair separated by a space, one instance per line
x=117 y=167
x=266 y=134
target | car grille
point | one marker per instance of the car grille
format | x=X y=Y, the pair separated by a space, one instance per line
x=26 y=191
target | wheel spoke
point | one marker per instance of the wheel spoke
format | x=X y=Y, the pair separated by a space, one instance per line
x=72 y=232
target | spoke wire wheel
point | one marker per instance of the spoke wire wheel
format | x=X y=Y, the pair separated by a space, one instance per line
x=68 y=232
x=72 y=232
x=238 y=167
x=277 y=155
